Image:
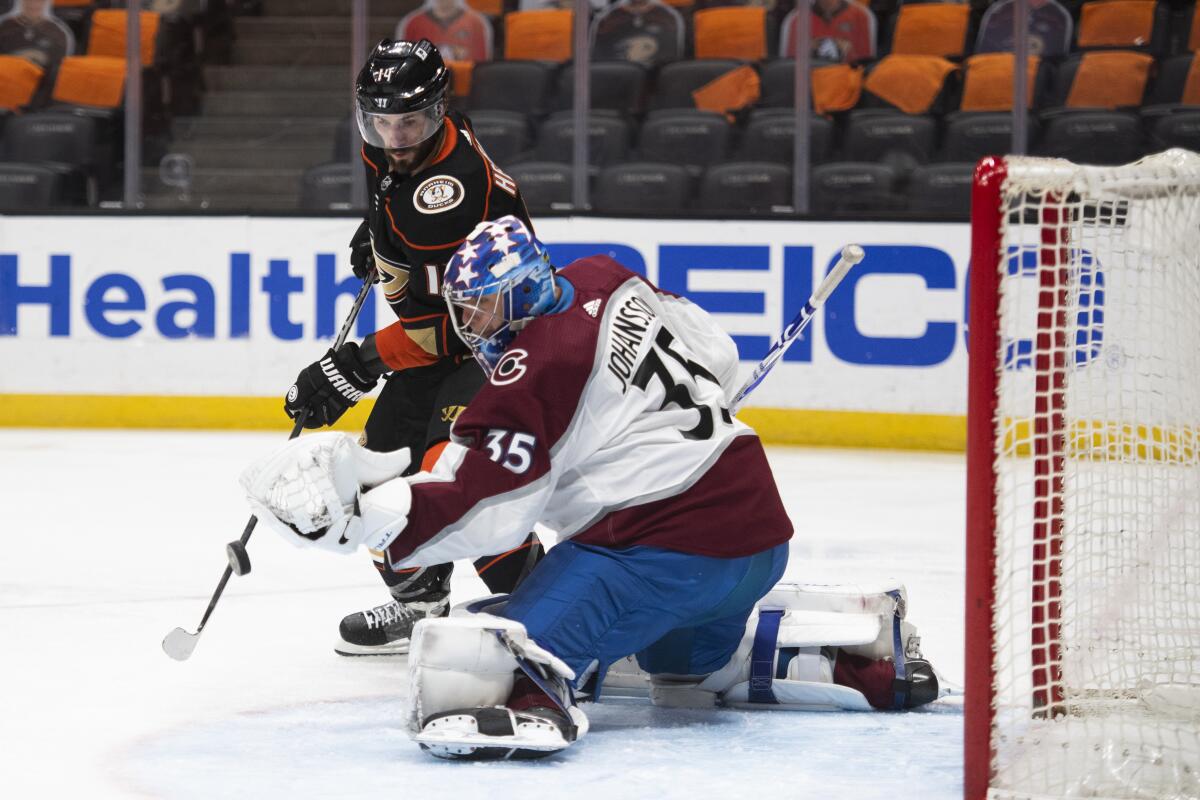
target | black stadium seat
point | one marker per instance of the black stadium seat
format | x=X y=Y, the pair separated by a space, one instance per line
x=326 y=187
x=503 y=134
x=676 y=81
x=769 y=137
x=971 y=135
x=608 y=138
x=685 y=136
x=520 y=86
x=747 y=186
x=642 y=188
x=941 y=189
x=1180 y=128
x=546 y=186
x=615 y=86
x=849 y=186
x=30 y=187
x=900 y=140
x=60 y=141
x=1092 y=137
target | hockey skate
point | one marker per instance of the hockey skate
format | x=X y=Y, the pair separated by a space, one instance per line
x=385 y=630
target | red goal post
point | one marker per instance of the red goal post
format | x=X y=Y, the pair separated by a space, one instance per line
x=1083 y=480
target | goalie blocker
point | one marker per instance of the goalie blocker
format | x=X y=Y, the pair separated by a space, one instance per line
x=480 y=688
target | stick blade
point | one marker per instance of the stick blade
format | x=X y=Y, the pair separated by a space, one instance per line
x=179 y=644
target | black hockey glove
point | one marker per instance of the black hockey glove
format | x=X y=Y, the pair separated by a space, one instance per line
x=330 y=386
x=362 y=257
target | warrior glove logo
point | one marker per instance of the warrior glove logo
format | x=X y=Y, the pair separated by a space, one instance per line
x=293 y=393
x=338 y=382
x=439 y=193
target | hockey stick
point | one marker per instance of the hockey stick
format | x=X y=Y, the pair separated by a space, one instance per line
x=851 y=255
x=179 y=643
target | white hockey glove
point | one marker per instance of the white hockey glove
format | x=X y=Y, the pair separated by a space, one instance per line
x=308 y=491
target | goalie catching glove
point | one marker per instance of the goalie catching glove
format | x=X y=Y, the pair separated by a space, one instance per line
x=325 y=490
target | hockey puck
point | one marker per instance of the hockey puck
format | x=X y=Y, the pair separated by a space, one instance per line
x=239 y=559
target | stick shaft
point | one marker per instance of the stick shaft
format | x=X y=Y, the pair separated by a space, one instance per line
x=299 y=426
x=851 y=255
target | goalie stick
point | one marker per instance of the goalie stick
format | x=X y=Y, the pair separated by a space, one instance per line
x=851 y=255
x=179 y=643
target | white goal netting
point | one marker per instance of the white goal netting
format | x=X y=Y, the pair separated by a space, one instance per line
x=1097 y=459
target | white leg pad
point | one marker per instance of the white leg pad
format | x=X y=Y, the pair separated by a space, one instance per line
x=856 y=618
x=459 y=664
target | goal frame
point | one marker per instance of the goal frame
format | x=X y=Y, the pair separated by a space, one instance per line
x=1048 y=439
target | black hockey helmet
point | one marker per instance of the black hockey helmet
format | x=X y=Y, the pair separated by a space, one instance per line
x=401 y=94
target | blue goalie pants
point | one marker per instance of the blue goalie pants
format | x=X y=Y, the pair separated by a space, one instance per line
x=681 y=614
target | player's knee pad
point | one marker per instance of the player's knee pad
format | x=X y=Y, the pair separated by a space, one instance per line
x=811 y=647
x=462 y=674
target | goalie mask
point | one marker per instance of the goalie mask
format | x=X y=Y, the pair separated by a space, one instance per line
x=496 y=282
x=401 y=94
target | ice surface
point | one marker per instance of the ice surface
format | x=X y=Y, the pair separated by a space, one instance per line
x=110 y=539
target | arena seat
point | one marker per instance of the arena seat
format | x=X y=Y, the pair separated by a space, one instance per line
x=546 y=186
x=1181 y=128
x=971 y=135
x=614 y=86
x=64 y=143
x=642 y=188
x=19 y=82
x=684 y=136
x=542 y=34
x=746 y=186
x=941 y=189
x=107 y=35
x=503 y=134
x=769 y=136
x=735 y=32
x=520 y=86
x=1101 y=79
x=845 y=186
x=676 y=81
x=914 y=84
x=931 y=29
x=29 y=187
x=1177 y=82
x=887 y=137
x=327 y=187
x=97 y=82
x=608 y=138
x=988 y=82
x=1092 y=137
x=1130 y=24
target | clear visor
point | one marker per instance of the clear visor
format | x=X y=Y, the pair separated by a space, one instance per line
x=399 y=131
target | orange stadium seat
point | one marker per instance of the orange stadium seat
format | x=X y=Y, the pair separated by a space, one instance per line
x=493 y=8
x=97 y=81
x=837 y=87
x=1107 y=79
x=988 y=82
x=932 y=29
x=911 y=83
x=107 y=37
x=1117 y=23
x=460 y=77
x=1193 y=41
x=19 y=81
x=738 y=32
x=543 y=34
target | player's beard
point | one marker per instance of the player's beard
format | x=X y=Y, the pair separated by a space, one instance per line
x=406 y=160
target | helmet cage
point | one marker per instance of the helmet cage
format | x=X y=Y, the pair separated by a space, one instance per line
x=484 y=282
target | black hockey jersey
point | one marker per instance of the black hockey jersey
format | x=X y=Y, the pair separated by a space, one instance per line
x=417 y=221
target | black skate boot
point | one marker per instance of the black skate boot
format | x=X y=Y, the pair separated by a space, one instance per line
x=386 y=629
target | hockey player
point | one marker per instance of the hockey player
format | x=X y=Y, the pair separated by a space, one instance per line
x=605 y=418
x=430 y=183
